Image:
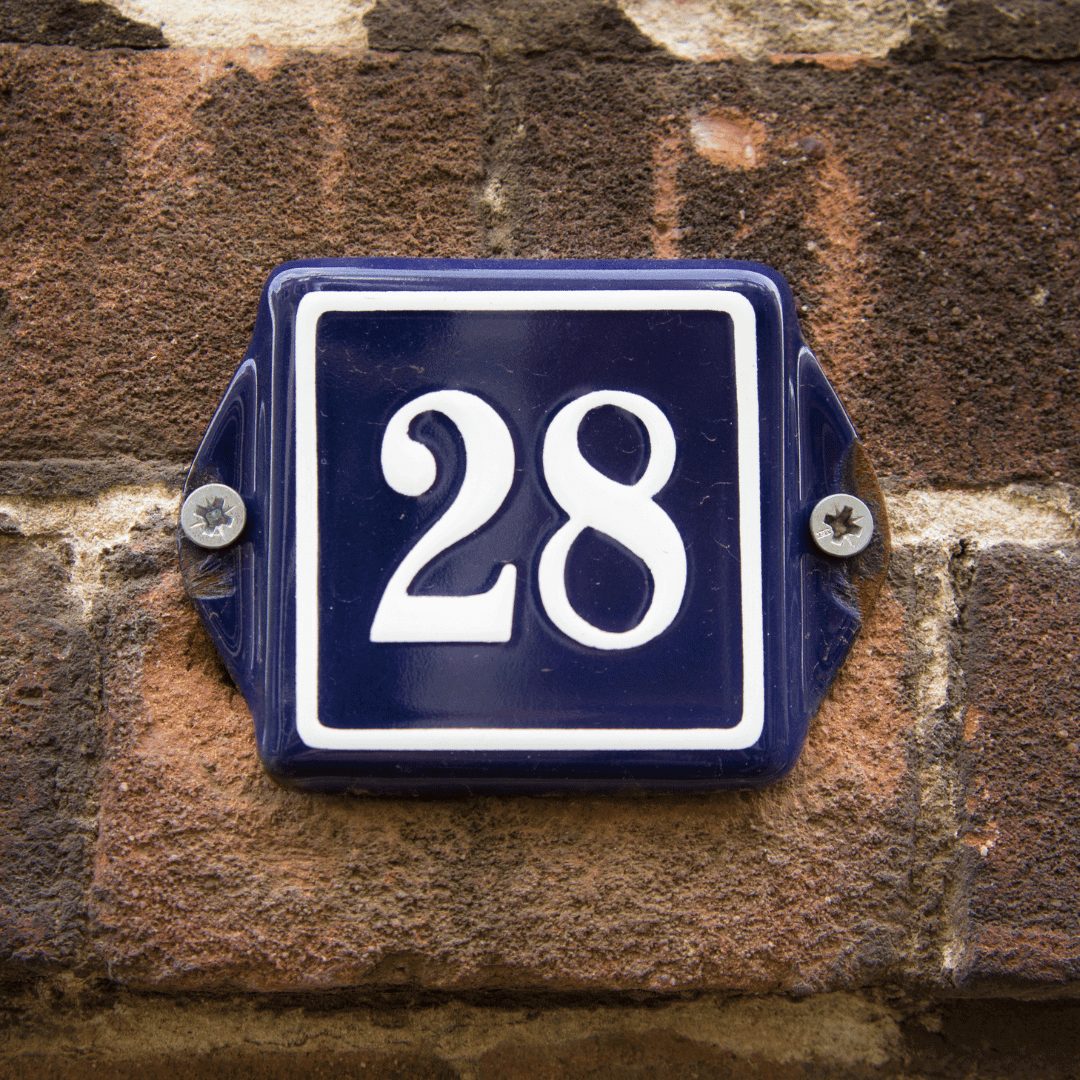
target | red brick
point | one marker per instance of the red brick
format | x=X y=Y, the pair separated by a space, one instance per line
x=170 y=173
x=575 y=162
x=925 y=290
x=1023 y=768
x=491 y=27
x=208 y=876
x=49 y=678
x=992 y=30
x=91 y=24
x=924 y=216
x=147 y=195
x=944 y=30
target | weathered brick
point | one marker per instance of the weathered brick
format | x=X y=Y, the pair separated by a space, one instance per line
x=997 y=29
x=229 y=1063
x=122 y=223
x=505 y=27
x=53 y=478
x=574 y=170
x=925 y=218
x=49 y=679
x=845 y=31
x=1023 y=769
x=209 y=876
x=970 y=263
x=90 y=24
x=147 y=195
x=706 y=30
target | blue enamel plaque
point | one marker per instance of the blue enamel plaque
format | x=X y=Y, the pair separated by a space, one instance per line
x=529 y=526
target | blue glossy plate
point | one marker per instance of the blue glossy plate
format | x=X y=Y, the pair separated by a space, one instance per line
x=529 y=526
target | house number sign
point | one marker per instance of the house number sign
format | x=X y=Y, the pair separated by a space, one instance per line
x=530 y=526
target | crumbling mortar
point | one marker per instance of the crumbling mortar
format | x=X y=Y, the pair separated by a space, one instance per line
x=82 y=530
x=955 y=924
x=1034 y=515
x=935 y=681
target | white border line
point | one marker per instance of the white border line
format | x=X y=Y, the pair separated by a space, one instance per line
x=318 y=736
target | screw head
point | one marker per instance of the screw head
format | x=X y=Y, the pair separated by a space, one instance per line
x=841 y=525
x=213 y=516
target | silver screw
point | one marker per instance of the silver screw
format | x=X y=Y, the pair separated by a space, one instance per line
x=213 y=516
x=841 y=525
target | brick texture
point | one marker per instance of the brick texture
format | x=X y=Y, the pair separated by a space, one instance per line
x=575 y=166
x=49 y=685
x=209 y=876
x=502 y=28
x=926 y=291
x=166 y=180
x=146 y=197
x=90 y=25
x=715 y=29
x=993 y=30
x=913 y=878
x=1023 y=767
x=845 y=1036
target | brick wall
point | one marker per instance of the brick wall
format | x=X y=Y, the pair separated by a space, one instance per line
x=906 y=901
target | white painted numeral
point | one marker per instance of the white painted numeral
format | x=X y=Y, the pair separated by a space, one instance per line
x=625 y=512
x=410 y=469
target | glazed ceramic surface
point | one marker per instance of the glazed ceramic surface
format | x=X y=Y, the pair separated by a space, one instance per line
x=530 y=526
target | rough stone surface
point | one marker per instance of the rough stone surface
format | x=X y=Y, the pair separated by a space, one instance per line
x=997 y=29
x=146 y=197
x=840 y=32
x=1023 y=770
x=90 y=25
x=927 y=293
x=52 y=478
x=721 y=29
x=292 y=24
x=845 y=1034
x=827 y=31
x=139 y=230
x=505 y=27
x=574 y=170
x=49 y=687
x=912 y=168
x=208 y=876
x=832 y=31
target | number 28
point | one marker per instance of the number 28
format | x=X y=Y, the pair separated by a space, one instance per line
x=625 y=512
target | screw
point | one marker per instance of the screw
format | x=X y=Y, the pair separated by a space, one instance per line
x=213 y=516
x=841 y=525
